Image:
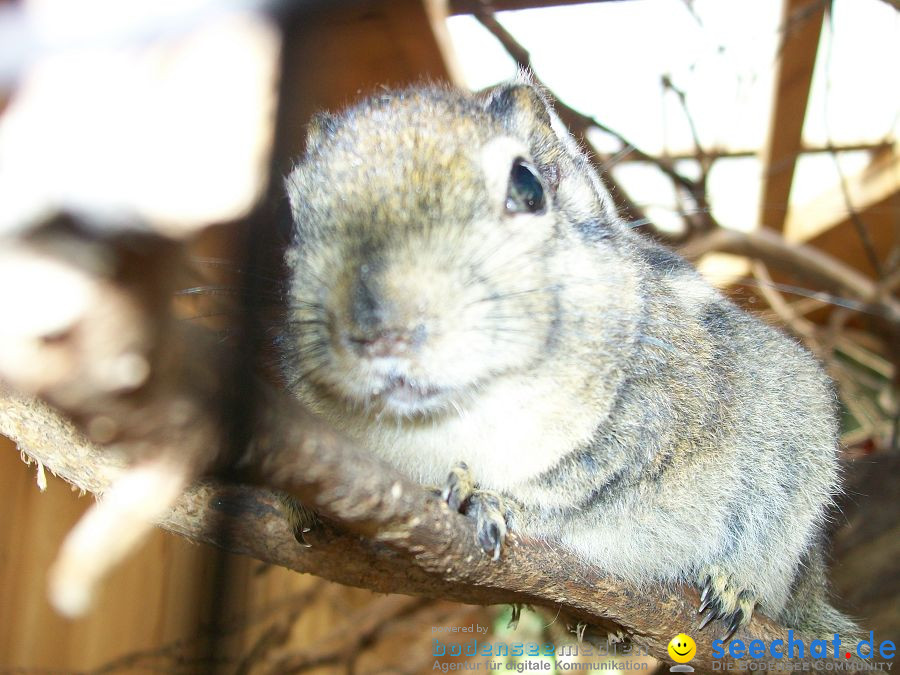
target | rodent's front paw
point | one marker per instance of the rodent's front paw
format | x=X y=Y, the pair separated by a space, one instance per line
x=721 y=597
x=492 y=512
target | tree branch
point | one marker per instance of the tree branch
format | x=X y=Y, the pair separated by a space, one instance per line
x=823 y=269
x=379 y=531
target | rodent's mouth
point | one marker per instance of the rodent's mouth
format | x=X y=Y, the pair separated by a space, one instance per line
x=405 y=397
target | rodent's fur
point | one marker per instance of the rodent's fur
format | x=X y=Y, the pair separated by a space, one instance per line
x=587 y=375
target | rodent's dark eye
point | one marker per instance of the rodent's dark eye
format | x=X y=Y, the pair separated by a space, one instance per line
x=525 y=193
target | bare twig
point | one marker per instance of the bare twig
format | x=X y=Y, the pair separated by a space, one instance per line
x=862 y=230
x=799 y=326
x=695 y=136
x=800 y=259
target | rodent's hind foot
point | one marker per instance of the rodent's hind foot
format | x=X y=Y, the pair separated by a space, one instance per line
x=491 y=511
x=724 y=600
x=301 y=519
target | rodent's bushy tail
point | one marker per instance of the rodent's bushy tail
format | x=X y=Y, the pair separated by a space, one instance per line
x=809 y=610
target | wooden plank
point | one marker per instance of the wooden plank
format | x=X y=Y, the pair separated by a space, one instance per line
x=826 y=222
x=149 y=600
x=344 y=53
x=800 y=30
x=437 y=12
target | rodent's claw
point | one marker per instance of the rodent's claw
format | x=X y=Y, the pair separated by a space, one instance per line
x=490 y=522
x=515 y=616
x=722 y=599
x=704 y=594
x=580 y=627
x=301 y=519
x=615 y=638
x=459 y=488
x=713 y=614
x=737 y=619
x=490 y=511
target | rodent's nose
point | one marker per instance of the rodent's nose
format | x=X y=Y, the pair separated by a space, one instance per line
x=388 y=342
x=380 y=327
x=367 y=307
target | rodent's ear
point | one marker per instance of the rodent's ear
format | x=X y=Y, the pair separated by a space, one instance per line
x=518 y=104
x=526 y=113
x=321 y=127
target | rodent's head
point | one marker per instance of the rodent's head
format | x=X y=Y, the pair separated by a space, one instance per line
x=426 y=262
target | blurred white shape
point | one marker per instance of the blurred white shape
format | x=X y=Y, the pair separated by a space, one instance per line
x=723 y=269
x=734 y=185
x=57 y=296
x=175 y=132
x=63 y=22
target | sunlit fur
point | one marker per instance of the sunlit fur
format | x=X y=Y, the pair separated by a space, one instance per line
x=638 y=417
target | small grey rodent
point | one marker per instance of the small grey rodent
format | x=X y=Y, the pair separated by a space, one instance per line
x=464 y=300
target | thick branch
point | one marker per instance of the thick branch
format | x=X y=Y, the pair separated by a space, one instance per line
x=380 y=531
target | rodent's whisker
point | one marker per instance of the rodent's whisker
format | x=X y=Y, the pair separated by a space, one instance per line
x=514 y=261
x=305 y=322
x=209 y=315
x=209 y=289
x=304 y=304
x=234 y=267
x=822 y=296
x=495 y=297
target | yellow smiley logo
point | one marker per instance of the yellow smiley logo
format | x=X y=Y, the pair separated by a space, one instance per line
x=682 y=648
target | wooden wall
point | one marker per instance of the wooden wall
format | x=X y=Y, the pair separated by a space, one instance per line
x=141 y=606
